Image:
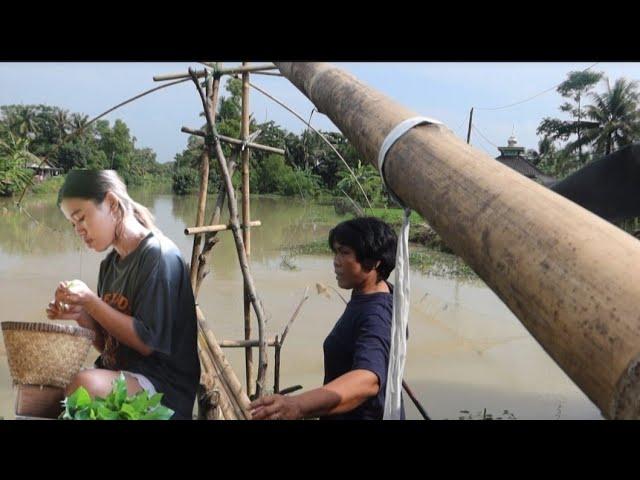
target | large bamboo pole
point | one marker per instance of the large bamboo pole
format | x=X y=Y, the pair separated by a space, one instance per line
x=569 y=276
x=246 y=232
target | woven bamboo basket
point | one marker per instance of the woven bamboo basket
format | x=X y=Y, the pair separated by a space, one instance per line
x=45 y=353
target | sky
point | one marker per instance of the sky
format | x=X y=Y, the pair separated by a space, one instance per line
x=444 y=91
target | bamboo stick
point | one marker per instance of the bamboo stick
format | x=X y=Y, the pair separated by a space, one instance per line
x=568 y=275
x=202 y=204
x=244 y=266
x=216 y=228
x=230 y=380
x=210 y=239
x=305 y=297
x=286 y=391
x=246 y=232
x=276 y=369
x=244 y=343
x=223 y=71
x=234 y=141
x=268 y=73
x=225 y=376
x=213 y=379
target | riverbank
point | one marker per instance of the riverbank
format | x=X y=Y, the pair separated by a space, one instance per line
x=424 y=259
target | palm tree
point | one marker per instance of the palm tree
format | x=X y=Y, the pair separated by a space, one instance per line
x=23 y=120
x=615 y=118
x=78 y=121
x=61 y=119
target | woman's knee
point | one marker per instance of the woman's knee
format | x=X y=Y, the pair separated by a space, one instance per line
x=93 y=380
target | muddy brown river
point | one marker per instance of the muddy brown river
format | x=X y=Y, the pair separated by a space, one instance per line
x=466 y=353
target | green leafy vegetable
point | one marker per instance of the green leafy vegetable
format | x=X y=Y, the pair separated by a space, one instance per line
x=116 y=406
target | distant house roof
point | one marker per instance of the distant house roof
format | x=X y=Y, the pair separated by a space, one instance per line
x=513 y=157
x=46 y=165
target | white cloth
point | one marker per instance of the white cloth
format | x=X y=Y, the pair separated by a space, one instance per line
x=144 y=382
x=400 y=319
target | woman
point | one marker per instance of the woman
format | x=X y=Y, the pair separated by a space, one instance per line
x=356 y=352
x=143 y=312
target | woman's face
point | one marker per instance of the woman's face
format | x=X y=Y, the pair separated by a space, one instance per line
x=349 y=272
x=95 y=224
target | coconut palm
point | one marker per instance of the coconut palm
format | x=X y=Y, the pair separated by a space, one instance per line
x=62 y=121
x=615 y=118
x=22 y=120
x=78 y=121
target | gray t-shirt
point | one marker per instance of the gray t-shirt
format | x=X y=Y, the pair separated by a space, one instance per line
x=152 y=285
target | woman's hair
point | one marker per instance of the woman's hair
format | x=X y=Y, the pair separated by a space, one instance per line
x=371 y=239
x=95 y=184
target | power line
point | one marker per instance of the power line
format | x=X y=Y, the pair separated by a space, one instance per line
x=461 y=124
x=534 y=96
x=473 y=125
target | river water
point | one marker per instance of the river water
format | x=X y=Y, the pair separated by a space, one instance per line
x=466 y=353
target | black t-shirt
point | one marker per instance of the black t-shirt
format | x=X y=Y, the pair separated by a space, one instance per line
x=361 y=339
x=152 y=285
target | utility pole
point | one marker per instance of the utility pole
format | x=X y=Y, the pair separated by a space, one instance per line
x=469 y=130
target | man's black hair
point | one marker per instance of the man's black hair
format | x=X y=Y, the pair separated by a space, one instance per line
x=371 y=239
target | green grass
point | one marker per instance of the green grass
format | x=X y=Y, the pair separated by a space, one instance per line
x=394 y=216
x=440 y=264
x=50 y=185
x=317 y=247
x=421 y=259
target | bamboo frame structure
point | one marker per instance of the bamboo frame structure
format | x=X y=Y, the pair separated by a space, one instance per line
x=240 y=247
x=222 y=71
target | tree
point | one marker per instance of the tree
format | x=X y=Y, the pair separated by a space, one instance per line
x=615 y=115
x=14 y=156
x=368 y=178
x=611 y=122
x=62 y=122
x=576 y=85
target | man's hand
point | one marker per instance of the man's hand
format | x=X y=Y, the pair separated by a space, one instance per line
x=276 y=407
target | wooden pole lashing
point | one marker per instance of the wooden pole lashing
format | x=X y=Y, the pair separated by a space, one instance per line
x=234 y=141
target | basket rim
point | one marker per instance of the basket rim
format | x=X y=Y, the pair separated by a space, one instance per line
x=73 y=330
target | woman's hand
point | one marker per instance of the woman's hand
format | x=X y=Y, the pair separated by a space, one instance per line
x=74 y=293
x=59 y=311
x=276 y=407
